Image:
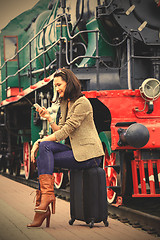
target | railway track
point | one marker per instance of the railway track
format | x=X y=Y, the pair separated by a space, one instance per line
x=140 y=213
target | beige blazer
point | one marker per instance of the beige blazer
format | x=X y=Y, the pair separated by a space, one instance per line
x=79 y=125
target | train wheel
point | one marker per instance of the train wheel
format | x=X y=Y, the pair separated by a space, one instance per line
x=28 y=167
x=60 y=179
x=111 y=175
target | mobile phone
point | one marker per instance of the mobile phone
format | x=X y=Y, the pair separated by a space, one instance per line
x=37 y=106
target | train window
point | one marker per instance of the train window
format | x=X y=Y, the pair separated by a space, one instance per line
x=10 y=47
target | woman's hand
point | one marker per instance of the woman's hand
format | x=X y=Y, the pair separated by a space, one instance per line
x=34 y=151
x=43 y=112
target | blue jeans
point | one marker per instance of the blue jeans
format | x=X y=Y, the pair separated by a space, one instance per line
x=53 y=154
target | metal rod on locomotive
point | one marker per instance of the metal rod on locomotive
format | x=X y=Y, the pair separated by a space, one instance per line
x=97 y=61
x=44 y=49
x=30 y=63
x=6 y=77
x=129 y=64
x=19 y=77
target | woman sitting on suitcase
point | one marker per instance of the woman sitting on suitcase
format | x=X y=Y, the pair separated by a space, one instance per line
x=85 y=151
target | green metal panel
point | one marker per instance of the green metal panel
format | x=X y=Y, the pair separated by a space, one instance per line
x=23 y=27
x=106 y=139
x=104 y=48
x=50 y=35
x=25 y=136
x=64 y=30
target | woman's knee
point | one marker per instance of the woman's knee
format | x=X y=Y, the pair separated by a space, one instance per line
x=54 y=147
x=44 y=146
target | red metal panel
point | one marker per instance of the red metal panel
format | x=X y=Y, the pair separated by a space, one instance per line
x=151 y=177
x=158 y=170
x=142 y=177
x=145 y=195
x=26 y=91
x=134 y=176
x=13 y=91
x=138 y=165
x=129 y=111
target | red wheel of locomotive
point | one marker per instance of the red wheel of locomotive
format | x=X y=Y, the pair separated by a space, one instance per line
x=111 y=176
x=26 y=159
x=61 y=179
x=58 y=179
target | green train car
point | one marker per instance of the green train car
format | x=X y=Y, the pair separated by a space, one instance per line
x=113 y=46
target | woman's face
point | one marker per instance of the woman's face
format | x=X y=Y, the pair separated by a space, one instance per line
x=60 y=85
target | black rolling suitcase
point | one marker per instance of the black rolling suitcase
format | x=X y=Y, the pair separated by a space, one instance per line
x=88 y=196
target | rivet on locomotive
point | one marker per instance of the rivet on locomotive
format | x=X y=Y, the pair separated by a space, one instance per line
x=113 y=46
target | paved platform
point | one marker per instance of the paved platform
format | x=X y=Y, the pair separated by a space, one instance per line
x=16 y=211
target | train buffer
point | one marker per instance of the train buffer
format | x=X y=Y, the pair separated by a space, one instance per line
x=16 y=211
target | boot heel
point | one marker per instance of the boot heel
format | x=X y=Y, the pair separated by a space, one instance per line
x=48 y=221
x=53 y=203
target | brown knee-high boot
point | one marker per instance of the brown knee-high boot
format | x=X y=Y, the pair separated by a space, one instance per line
x=38 y=197
x=40 y=217
x=47 y=193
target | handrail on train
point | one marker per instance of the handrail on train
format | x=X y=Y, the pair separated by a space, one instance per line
x=69 y=62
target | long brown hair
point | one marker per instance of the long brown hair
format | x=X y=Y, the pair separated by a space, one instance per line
x=73 y=87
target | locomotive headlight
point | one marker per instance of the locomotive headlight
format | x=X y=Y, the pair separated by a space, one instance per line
x=150 y=89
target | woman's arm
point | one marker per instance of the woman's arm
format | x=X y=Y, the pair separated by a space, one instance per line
x=36 y=145
x=43 y=112
x=34 y=151
x=51 y=137
x=53 y=125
